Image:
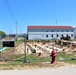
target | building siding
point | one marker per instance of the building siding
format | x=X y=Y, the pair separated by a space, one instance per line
x=75 y=32
x=42 y=35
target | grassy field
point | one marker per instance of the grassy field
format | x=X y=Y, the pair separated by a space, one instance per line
x=19 y=41
x=67 y=57
x=34 y=58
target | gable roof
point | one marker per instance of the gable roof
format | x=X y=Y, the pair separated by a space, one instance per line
x=50 y=27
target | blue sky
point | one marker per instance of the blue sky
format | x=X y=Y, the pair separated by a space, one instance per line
x=36 y=12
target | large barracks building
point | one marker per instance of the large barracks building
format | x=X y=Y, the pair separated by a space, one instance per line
x=50 y=32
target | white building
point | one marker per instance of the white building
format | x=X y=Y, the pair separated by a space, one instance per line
x=49 y=32
x=75 y=32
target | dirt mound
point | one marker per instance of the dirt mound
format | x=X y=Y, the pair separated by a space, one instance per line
x=19 y=49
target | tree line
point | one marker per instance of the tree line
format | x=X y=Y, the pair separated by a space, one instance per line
x=2 y=34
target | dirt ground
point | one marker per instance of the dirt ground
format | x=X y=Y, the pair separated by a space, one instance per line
x=35 y=66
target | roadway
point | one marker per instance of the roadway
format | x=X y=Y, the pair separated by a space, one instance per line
x=42 y=71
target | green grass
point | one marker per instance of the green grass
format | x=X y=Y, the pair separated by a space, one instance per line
x=34 y=58
x=63 y=57
x=14 y=56
x=18 y=42
x=18 y=59
x=0 y=44
x=9 y=48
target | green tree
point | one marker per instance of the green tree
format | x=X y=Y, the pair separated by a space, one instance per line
x=2 y=34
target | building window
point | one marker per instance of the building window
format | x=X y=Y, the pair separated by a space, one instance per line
x=46 y=35
x=67 y=34
x=71 y=35
x=52 y=35
x=57 y=35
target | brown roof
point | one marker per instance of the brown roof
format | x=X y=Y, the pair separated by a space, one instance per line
x=50 y=27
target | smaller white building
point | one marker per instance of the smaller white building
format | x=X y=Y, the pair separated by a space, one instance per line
x=75 y=32
x=49 y=32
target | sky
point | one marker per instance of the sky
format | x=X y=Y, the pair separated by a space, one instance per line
x=37 y=13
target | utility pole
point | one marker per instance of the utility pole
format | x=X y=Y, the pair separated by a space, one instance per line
x=25 y=50
x=16 y=30
x=9 y=30
x=20 y=32
x=25 y=59
x=56 y=21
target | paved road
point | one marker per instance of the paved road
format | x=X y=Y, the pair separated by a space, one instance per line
x=47 y=71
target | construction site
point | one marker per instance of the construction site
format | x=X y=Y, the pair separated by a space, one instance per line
x=40 y=48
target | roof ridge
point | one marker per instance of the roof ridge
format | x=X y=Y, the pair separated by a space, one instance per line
x=54 y=27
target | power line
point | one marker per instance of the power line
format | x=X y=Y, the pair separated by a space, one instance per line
x=6 y=2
